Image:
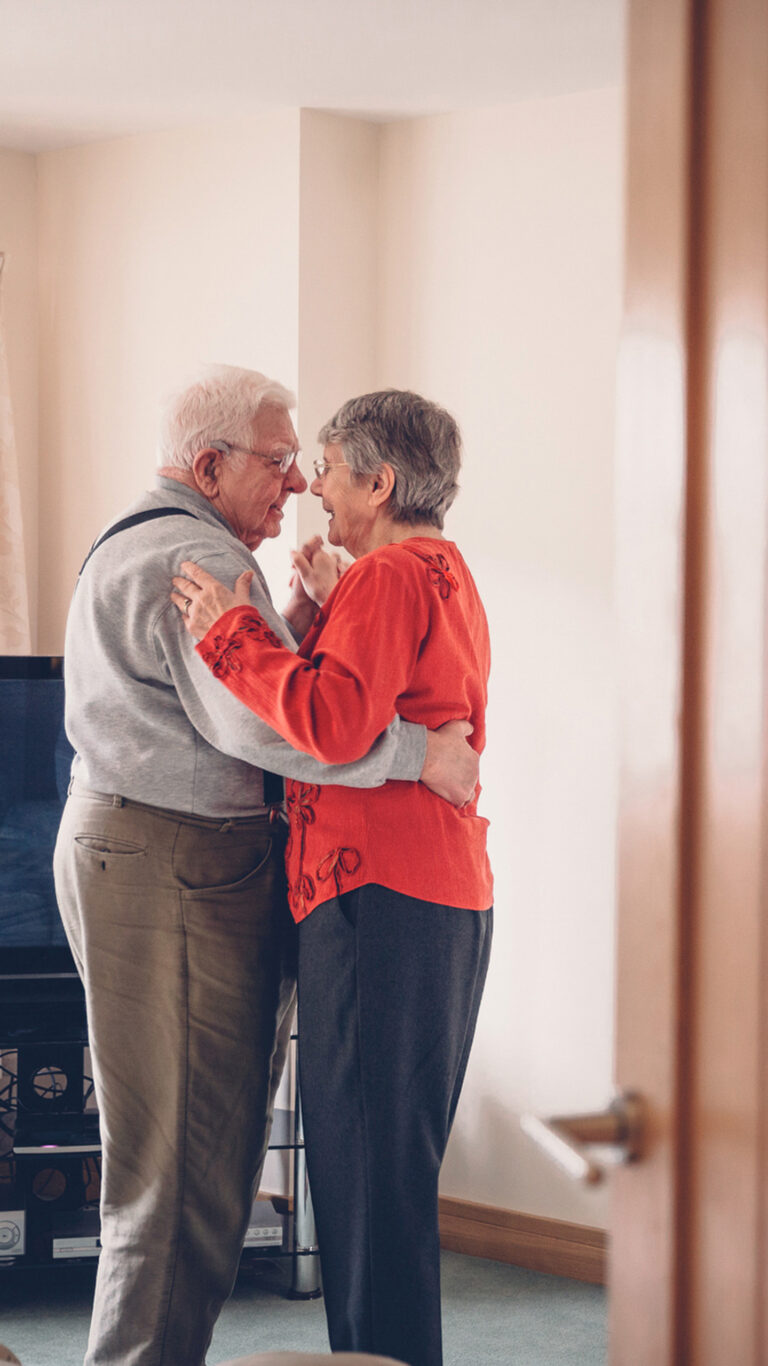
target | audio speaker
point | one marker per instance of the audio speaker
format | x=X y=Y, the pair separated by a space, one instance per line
x=52 y=1186
x=49 y=1078
x=54 y=1183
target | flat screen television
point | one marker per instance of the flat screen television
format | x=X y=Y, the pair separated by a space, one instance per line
x=35 y=759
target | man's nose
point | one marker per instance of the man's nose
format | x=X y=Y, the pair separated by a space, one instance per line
x=294 y=480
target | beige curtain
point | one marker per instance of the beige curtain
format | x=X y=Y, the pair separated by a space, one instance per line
x=14 y=601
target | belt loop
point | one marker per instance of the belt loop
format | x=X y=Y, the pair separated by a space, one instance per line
x=71 y=787
x=117 y=800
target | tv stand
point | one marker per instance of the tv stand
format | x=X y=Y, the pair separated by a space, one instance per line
x=50 y=1152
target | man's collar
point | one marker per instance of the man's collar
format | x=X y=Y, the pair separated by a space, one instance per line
x=192 y=499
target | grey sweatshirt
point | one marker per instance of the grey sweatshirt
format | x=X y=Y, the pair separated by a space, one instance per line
x=146 y=717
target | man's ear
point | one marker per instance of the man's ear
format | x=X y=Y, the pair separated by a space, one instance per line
x=206 y=468
x=383 y=485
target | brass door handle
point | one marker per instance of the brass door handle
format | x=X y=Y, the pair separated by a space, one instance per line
x=564 y=1137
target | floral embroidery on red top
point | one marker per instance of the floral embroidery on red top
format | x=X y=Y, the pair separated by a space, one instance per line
x=439 y=572
x=256 y=626
x=300 y=801
x=219 y=656
x=335 y=864
x=222 y=655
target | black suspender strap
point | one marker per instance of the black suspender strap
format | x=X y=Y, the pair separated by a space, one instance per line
x=274 y=788
x=134 y=520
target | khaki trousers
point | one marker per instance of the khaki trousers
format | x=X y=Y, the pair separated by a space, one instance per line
x=181 y=932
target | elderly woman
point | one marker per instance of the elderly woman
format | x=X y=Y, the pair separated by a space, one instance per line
x=391 y=887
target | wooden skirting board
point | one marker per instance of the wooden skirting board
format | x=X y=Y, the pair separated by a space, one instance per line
x=527 y=1240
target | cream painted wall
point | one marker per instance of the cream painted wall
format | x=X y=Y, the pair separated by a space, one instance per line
x=500 y=296
x=475 y=256
x=158 y=253
x=338 y=276
x=18 y=287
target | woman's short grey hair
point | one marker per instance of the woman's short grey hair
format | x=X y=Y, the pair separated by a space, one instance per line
x=220 y=405
x=420 y=440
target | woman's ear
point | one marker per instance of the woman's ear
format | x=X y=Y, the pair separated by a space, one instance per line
x=206 y=468
x=383 y=485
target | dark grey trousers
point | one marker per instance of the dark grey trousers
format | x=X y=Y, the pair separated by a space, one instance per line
x=389 y=990
x=182 y=935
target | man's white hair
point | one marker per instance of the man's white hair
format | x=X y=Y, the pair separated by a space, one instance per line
x=220 y=405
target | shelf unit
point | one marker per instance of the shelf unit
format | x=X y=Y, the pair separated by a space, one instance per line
x=50 y=1150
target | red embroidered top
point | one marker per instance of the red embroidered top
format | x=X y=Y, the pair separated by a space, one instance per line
x=403 y=631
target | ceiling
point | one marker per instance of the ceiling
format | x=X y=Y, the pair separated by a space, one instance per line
x=75 y=70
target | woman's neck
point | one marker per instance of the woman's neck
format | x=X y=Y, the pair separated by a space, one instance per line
x=389 y=533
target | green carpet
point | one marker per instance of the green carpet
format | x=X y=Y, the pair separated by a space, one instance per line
x=493 y=1315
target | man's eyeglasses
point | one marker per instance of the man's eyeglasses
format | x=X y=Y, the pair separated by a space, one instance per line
x=321 y=467
x=282 y=462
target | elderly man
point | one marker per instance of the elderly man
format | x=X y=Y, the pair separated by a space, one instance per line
x=169 y=871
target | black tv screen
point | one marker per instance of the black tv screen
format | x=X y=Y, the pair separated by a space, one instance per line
x=35 y=759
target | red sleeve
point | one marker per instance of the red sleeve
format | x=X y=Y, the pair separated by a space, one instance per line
x=335 y=704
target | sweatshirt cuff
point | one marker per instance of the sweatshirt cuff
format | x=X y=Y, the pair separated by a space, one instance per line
x=410 y=754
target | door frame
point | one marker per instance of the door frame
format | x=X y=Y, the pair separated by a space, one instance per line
x=687 y=1262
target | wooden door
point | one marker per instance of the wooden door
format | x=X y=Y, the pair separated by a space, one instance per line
x=688 y=1242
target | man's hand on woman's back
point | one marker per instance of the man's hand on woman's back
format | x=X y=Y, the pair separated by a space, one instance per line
x=451 y=768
